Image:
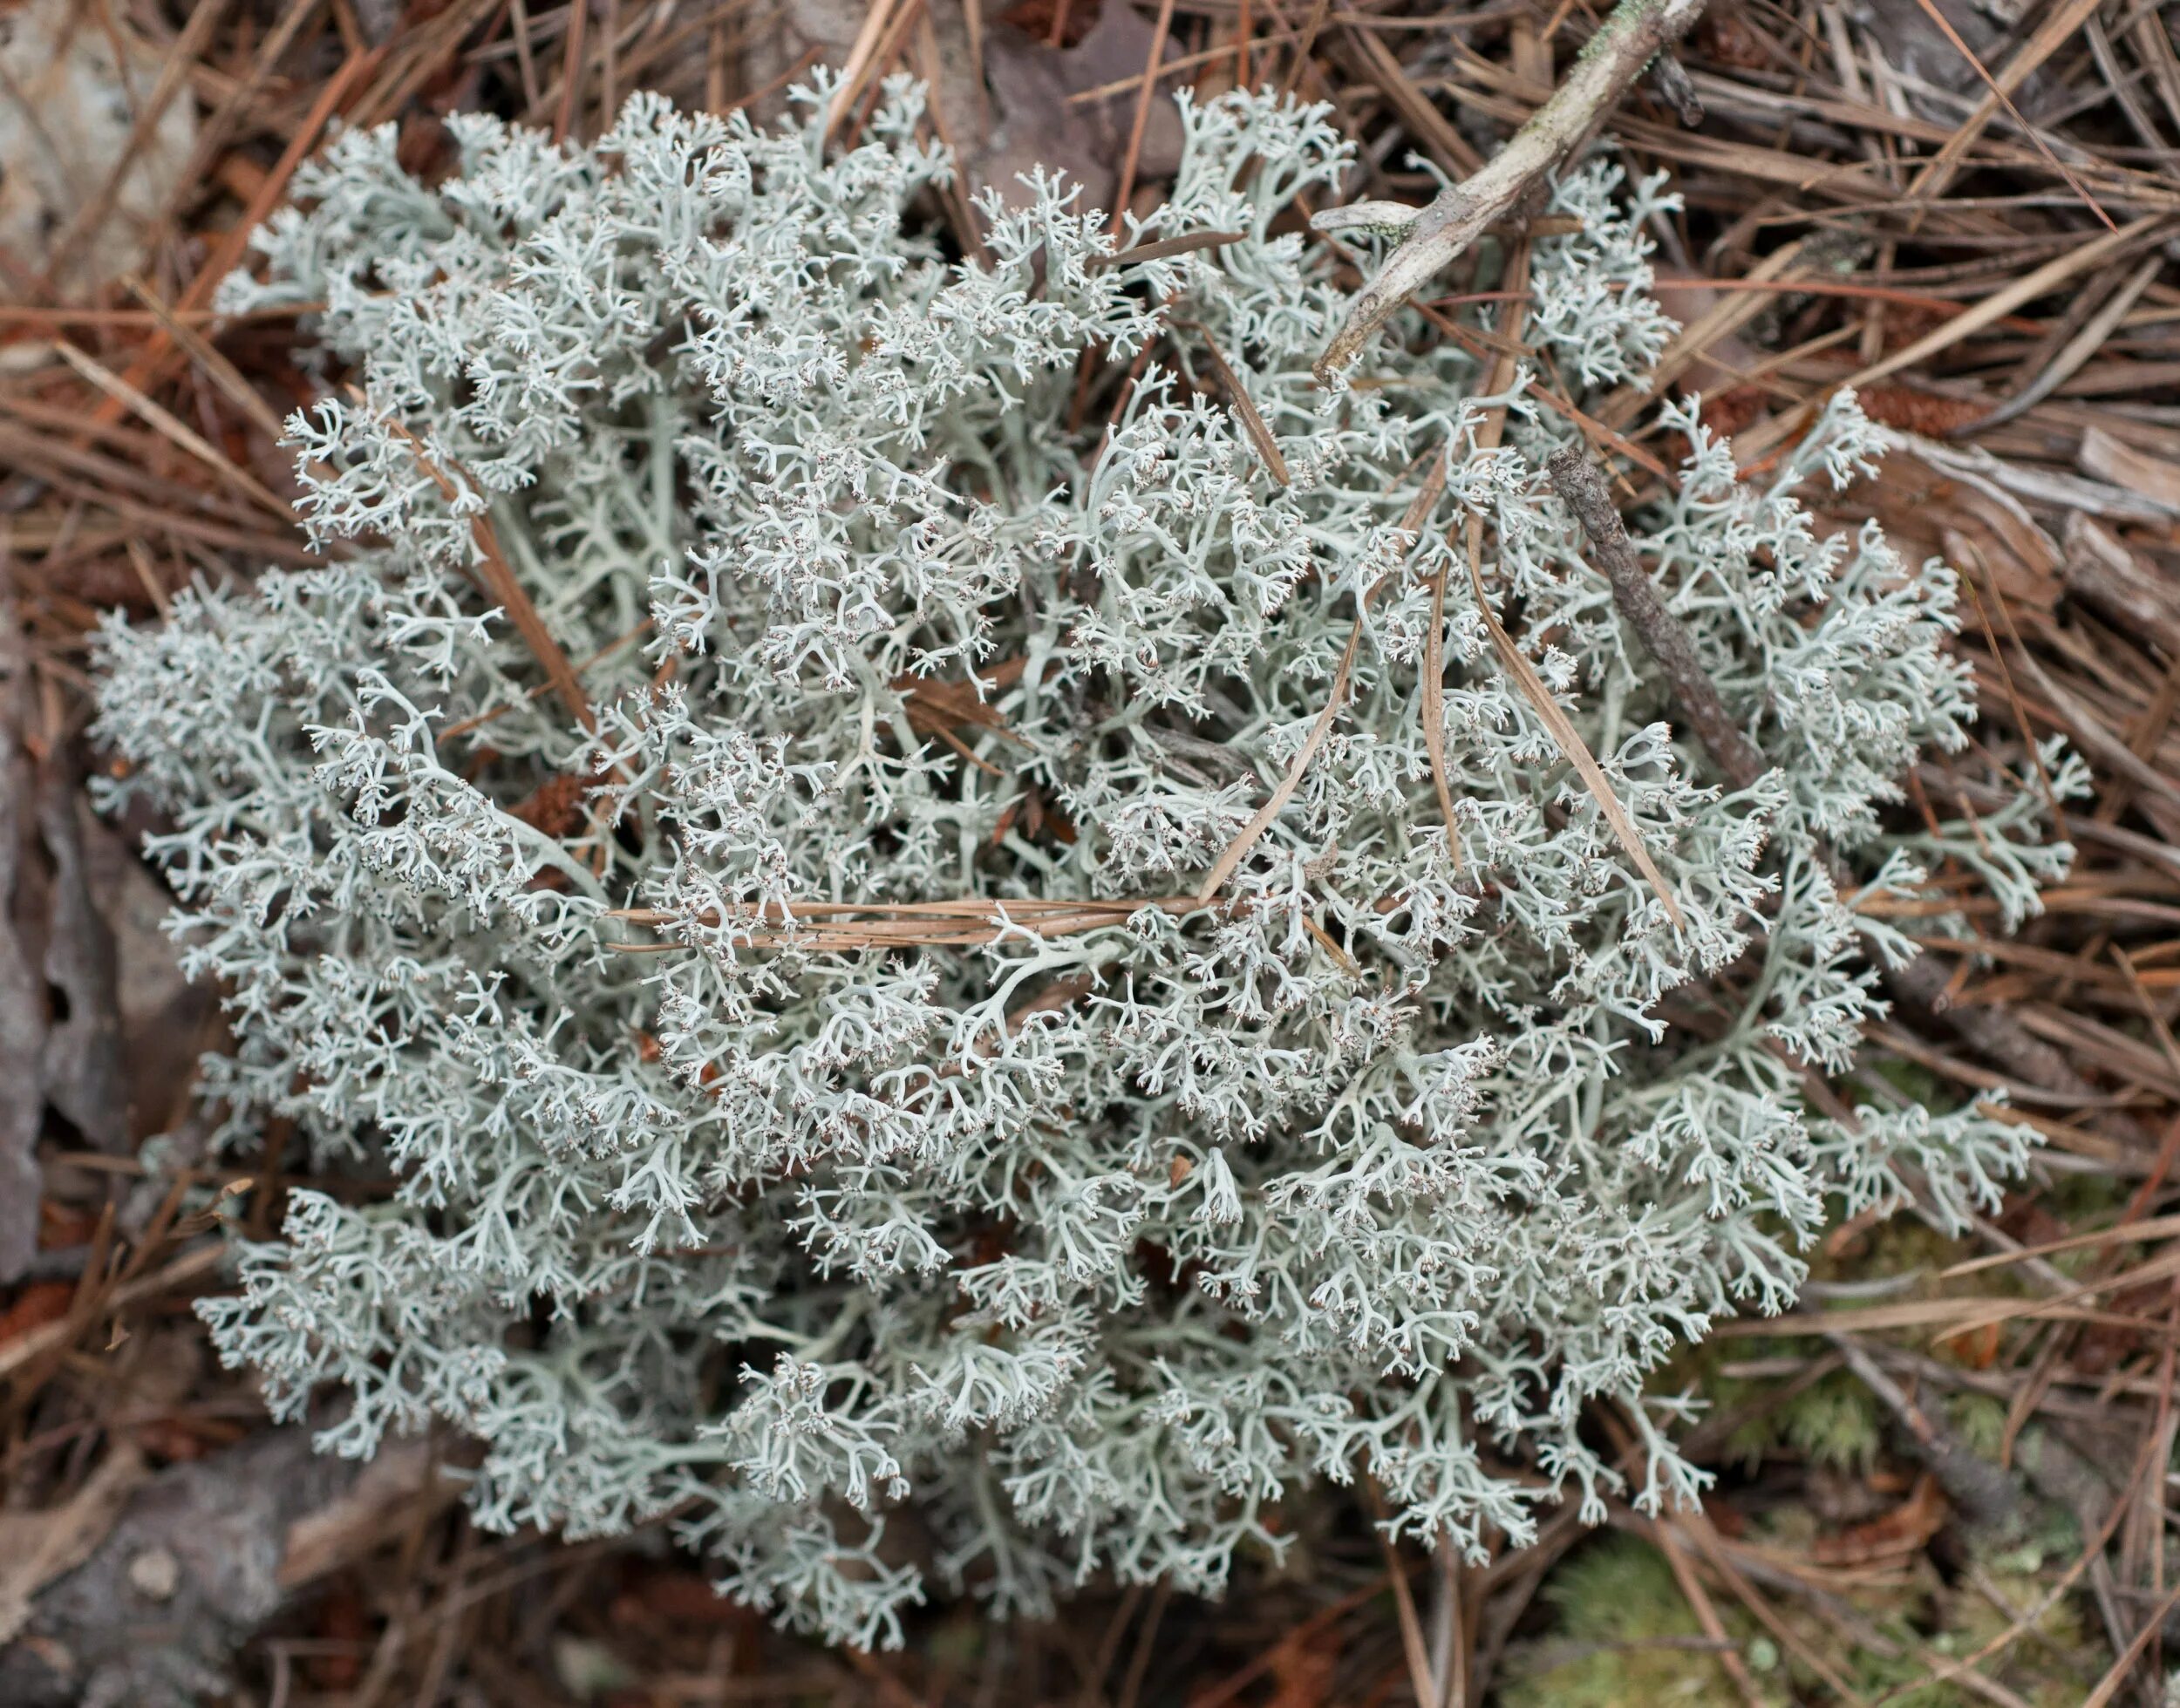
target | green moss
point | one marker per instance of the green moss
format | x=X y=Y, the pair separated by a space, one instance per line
x=1835 y=1424
x=1915 y=1082
x=1979 y=1423
x=1618 y=1609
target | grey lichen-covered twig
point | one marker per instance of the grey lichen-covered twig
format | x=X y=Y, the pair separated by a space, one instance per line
x=1575 y=478
x=1978 y=1487
x=1921 y=981
x=1613 y=59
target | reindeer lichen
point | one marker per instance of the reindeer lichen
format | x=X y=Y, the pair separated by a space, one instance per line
x=723 y=832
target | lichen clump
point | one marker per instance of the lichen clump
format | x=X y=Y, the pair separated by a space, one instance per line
x=722 y=838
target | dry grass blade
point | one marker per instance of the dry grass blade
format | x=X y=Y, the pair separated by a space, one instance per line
x=2125 y=1233
x=1955 y=1318
x=572 y=69
x=1569 y=739
x=1414 y=1653
x=184 y=1271
x=1697 y=1527
x=1945 y=1318
x=964 y=924
x=1417 y=113
x=1299 y=63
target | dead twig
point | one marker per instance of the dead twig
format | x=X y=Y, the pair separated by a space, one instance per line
x=1973 y=1485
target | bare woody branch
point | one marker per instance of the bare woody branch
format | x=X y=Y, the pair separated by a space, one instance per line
x=1614 y=57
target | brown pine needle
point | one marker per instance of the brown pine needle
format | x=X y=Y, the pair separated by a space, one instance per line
x=1237 y=850
x=1260 y=437
x=1187 y=243
x=502 y=583
x=2081 y=9
x=176 y=431
x=1152 y=70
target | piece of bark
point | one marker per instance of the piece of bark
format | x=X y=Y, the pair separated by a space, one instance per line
x=22 y=1003
x=2103 y=572
x=1670 y=82
x=2156 y=478
x=204 y=1556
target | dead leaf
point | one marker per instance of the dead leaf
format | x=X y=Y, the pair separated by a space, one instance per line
x=405 y=1478
x=1035 y=19
x=344 y=1625
x=1903 y=1530
x=1976 y=1350
x=81 y=1062
x=1033 y=120
x=934 y=705
x=37 y=1304
x=1302 y=1671
x=1912 y=43
x=554 y=807
x=166 y=1021
x=1914 y=411
x=661 y=1598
